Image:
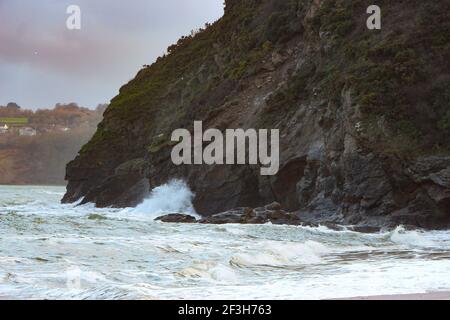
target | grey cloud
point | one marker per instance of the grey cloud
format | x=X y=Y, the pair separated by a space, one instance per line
x=38 y=53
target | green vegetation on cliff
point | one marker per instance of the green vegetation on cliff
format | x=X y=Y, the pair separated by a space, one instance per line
x=391 y=73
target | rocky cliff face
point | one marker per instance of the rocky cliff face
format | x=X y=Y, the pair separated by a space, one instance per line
x=364 y=115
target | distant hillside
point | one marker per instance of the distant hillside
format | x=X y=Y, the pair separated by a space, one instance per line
x=35 y=146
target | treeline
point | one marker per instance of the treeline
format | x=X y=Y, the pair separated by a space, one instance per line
x=70 y=115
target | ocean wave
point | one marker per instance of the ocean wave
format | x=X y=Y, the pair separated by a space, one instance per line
x=411 y=238
x=209 y=270
x=173 y=197
x=47 y=246
x=277 y=254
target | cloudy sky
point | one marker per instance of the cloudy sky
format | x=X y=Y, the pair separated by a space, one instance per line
x=43 y=63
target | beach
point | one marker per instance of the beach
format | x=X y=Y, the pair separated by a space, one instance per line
x=402 y=297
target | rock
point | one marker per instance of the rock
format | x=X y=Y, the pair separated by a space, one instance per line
x=283 y=217
x=273 y=206
x=339 y=162
x=238 y=215
x=129 y=167
x=271 y=213
x=177 y=218
x=277 y=59
x=111 y=191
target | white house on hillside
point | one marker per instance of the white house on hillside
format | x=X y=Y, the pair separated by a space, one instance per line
x=4 y=129
x=27 y=131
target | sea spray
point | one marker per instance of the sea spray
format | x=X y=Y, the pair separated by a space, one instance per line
x=173 y=197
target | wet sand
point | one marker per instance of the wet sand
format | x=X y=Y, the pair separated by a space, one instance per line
x=418 y=296
x=399 y=297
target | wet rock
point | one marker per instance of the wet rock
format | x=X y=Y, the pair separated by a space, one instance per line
x=238 y=215
x=177 y=218
x=273 y=206
x=271 y=213
x=119 y=190
x=283 y=217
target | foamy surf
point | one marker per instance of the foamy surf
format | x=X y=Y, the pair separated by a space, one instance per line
x=282 y=254
x=173 y=197
x=410 y=238
x=54 y=251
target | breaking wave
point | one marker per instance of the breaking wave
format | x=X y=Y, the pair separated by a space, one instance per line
x=173 y=197
x=275 y=254
x=411 y=238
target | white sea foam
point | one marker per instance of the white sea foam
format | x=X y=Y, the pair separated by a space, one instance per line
x=210 y=271
x=278 y=254
x=173 y=197
x=14 y=260
x=410 y=238
x=223 y=273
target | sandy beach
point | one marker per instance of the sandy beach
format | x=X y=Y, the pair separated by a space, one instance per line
x=399 y=297
x=418 y=296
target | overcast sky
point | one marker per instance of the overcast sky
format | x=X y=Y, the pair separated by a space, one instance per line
x=43 y=63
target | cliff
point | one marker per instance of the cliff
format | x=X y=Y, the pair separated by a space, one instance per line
x=364 y=115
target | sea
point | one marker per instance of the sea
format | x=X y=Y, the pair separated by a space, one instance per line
x=50 y=250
